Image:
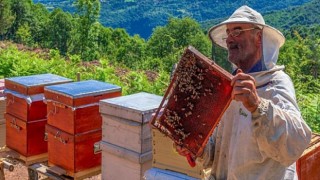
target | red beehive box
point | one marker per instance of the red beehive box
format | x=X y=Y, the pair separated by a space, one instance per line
x=199 y=93
x=73 y=153
x=25 y=95
x=74 y=107
x=308 y=165
x=27 y=138
x=2 y=110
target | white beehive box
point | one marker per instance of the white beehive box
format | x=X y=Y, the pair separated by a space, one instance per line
x=121 y=163
x=165 y=157
x=160 y=174
x=125 y=120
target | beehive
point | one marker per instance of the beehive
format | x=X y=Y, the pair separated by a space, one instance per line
x=74 y=124
x=126 y=140
x=26 y=113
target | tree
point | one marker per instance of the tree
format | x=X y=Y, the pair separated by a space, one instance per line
x=21 y=12
x=59 y=30
x=177 y=34
x=39 y=17
x=88 y=12
x=6 y=17
x=169 y=41
x=23 y=35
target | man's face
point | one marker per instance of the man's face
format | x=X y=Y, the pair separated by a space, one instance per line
x=244 y=46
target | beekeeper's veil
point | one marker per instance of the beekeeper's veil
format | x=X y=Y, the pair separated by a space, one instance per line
x=273 y=39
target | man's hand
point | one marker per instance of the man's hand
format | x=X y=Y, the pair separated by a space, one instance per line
x=180 y=150
x=184 y=152
x=244 y=90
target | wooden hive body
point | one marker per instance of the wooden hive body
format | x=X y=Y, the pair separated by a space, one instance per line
x=74 y=107
x=308 y=165
x=2 y=111
x=73 y=153
x=27 y=138
x=26 y=113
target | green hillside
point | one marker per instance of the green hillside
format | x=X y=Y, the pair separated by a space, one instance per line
x=141 y=16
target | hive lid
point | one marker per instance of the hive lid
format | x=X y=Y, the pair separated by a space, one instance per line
x=198 y=94
x=83 y=88
x=34 y=84
x=137 y=107
x=38 y=80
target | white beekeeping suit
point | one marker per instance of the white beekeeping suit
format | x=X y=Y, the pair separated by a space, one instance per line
x=266 y=143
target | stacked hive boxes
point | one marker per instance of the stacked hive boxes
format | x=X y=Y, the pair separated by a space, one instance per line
x=308 y=165
x=2 y=111
x=126 y=142
x=74 y=125
x=26 y=113
x=165 y=157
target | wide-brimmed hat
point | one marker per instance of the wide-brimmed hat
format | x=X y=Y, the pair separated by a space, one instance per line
x=245 y=14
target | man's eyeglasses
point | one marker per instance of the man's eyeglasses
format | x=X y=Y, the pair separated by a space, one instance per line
x=237 y=32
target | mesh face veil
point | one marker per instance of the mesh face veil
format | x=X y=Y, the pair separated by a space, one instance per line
x=272 y=39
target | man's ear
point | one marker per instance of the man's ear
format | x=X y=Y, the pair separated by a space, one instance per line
x=259 y=36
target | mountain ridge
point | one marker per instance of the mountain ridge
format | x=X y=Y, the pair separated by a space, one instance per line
x=141 y=17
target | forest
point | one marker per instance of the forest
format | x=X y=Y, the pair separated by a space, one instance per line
x=142 y=16
x=34 y=40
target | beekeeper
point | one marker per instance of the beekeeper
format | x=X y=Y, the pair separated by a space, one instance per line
x=262 y=133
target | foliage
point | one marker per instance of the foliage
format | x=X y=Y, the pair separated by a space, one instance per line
x=88 y=14
x=168 y=42
x=59 y=29
x=18 y=63
x=141 y=17
x=6 y=17
x=301 y=58
x=310 y=109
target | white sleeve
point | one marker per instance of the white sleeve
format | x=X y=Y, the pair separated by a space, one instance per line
x=280 y=131
x=206 y=159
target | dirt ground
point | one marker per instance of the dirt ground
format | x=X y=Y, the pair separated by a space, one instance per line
x=20 y=172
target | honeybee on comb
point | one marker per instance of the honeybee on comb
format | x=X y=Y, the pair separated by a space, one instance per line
x=194 y=102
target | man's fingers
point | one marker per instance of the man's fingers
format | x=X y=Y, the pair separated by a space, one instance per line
x=180 y=150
